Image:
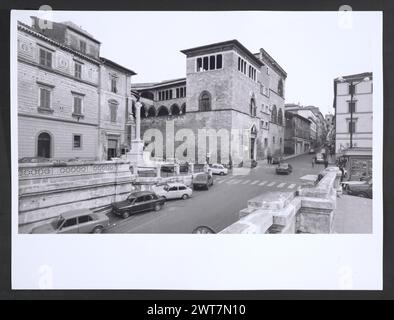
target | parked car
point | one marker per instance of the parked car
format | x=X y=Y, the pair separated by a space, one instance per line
x=75 y=221
x=319 y=158
x=202 y=180
x=218 y=169
x=311 y=151
x=358 y=188
x=277 y=159
x=173 y=191
x=284 y=168
x=138 y=201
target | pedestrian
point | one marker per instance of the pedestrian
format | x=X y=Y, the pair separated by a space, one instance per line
x=313 y=162
x=325 y=163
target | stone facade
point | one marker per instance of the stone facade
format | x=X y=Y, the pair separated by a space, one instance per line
x=63 y=94
x=48 y=190
x=222 y=95
x=297 y=134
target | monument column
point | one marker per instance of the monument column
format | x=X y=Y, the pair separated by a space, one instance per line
x=137 y=146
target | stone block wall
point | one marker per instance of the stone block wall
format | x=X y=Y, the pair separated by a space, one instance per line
x=308 y=210
x=45 y=190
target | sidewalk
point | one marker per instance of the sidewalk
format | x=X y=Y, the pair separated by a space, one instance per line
x=353 y=215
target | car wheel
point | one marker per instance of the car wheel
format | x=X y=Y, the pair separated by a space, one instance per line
x=222 y=173
x=157 y=207
x=363 y=195
x=98 y=229
x=185 y=196
x=125 y=215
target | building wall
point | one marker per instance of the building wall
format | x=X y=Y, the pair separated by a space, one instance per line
x=217 y=82
x=59 y=122
x=362 y=116
x=113 y=129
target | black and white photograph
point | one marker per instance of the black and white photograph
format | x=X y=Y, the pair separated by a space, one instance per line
x=147 y=135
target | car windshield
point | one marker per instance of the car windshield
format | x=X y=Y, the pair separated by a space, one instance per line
x=58 y=222
x=131 y=198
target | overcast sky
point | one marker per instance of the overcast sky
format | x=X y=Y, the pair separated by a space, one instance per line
x=312 y=47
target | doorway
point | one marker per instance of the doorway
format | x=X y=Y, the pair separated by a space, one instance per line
x=44 y=145
x=112 y=148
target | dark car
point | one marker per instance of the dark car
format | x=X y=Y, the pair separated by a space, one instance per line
x=311 y=151
x=284 y=168
x=276 y=159
x=358 y=188
x=75 y=221
x=319 y=158
x=138 y=201
x=202 y=180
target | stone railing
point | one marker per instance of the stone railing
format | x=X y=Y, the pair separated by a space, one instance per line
x=311 y=209
x=45 y=170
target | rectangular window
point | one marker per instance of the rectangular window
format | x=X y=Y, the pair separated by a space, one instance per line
x=77 y=105
x=170 y=94
x=177 y=92
x=77 y=141
x=199 y=64
x=113 y=109
x=212 y=63
x=78 y=70
x=45 y=58
x=219 y=61
x=244 y=67
x=239 y=64
x=113 y=85
x=166 y=94
x=205 y=65
x=352 y=127
x=45 y=98
x=82 y=46
x=352 y=107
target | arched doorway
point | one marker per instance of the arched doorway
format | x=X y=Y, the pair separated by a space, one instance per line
x=44 y=145
x=253 y=137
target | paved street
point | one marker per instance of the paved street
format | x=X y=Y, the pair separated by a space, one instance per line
x=218 y=207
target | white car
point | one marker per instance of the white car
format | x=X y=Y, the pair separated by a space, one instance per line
x=218 y=169
x=173 y=191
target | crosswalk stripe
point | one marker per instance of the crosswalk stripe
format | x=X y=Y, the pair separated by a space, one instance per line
x=281 y=185
x=271 y=184
x=230 y=181
x=236 y=181
x=262 y=183
x=254 y=182
x=291 y=186
x=223 y=180
x=245 y=182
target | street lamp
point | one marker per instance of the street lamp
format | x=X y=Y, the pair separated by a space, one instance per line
x=352 y=88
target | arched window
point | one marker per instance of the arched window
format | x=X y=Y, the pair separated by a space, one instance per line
x=151 y=111
x=274 y=114
x=44 y=145
x=252 y=107
x=280 y=87
x=183 y=108
x=280 y=117
x=204 y=103
x=175 y=110
x=163 y=111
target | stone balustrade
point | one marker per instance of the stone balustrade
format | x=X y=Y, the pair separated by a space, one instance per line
x=311 y=209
